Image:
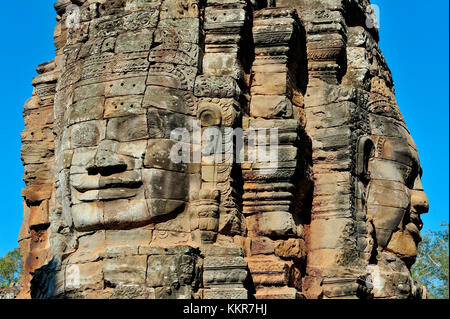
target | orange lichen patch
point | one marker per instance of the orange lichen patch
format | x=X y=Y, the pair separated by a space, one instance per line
x=37 y=193
x=39 y=215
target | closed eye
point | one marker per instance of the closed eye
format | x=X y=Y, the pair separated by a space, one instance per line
x=412 y=175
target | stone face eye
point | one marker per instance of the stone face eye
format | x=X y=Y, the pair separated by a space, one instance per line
x=412 y=176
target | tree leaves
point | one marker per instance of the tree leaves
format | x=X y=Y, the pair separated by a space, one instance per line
x=10 y=268
x=431 y=267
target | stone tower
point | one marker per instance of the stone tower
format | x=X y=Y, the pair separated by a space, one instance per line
x=110 y=213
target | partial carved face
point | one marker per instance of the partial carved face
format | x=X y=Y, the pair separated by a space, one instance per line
x=395 y=197
x=121 y=174
x=124 y=100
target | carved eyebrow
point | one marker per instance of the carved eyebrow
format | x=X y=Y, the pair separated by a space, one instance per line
x=416 y=164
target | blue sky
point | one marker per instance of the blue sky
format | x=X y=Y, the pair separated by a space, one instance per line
x=414 y=40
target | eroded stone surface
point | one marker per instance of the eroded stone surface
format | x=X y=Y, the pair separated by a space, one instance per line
x=108 y=214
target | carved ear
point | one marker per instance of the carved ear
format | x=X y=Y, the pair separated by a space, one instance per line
x=364 y=153
x=209 y=115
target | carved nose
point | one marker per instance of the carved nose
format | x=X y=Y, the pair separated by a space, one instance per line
x=419 y=202
x=106 y=161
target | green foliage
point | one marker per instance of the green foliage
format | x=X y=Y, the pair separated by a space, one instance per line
x=431 y=267
x=10 y=268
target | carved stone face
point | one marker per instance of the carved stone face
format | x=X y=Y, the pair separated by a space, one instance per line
x=120 y=173
x=395 y=197
x=123 y=101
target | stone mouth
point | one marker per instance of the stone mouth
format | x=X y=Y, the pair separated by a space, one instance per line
x=126 y=181
x=413 y=229
x=108 y=184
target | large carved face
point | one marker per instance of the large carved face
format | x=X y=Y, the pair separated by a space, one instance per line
x=125 y=99
x=395 y=197
x=121 y=173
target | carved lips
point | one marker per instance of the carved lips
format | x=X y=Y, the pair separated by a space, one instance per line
x=121 y=185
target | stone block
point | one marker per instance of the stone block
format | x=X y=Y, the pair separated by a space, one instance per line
x=331 y=233
x=262 y=246
x=183 y=292
x=121 y=251
x=134 y=149
x=87 y=109
x=183 y=30
x=131 y=63
x=125 y=86
x=214 y=262
x=87 y=134
x=270 y=84
x=173 y=9
x=124 y=213
x=269 y=270
x=388 y=194
x=271 y=106
x=133 y=291
x=402 y=243
x=171 y=270
x=225 y=293
x=161 y=207
x=222 y=251
x=39 y=215
x=291 y=249
x=84 y=276
x=278 y=224
x=133 y=237
x=87 y=216
x=36 y=193
x=168 y=99
x=223 y=20
x=125 y=270
x=277 y=293
x=221 y=64
x=187 y=55
x=179 y=223
x=172 y=76
x=169 y=250
x=91 y=248
x=216 y=86
x=161 y=123
x=161 y=184
x=95 y=90
x=81 y=157
x=125 y=129
x=134 y=41
x=123 y=106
